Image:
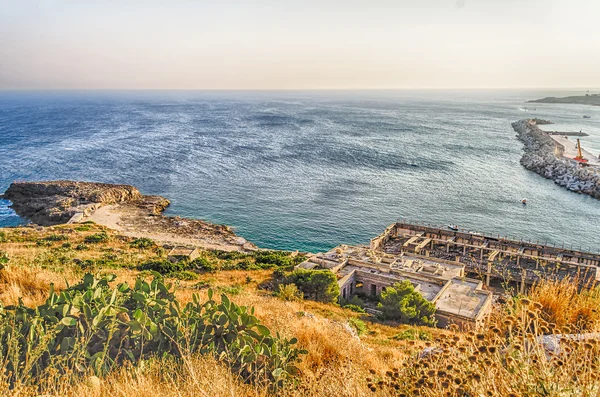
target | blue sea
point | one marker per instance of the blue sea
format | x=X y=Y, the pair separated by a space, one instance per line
x=307 y=170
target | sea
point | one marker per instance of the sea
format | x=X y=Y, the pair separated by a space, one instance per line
x=308 y=170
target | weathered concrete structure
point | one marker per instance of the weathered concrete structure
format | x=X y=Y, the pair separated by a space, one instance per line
x=361 y=270
x=496 y=261
x=177 y=254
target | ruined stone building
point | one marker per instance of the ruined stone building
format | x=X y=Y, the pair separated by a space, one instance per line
x=500 y=262
x=457 y=299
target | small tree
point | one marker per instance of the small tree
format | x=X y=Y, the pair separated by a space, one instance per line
x=402 y=303
x=318 y=285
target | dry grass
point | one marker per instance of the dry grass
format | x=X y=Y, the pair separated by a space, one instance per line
x=503 y=359
x=567 y=307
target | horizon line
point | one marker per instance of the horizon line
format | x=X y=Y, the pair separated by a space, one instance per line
x=300 y=89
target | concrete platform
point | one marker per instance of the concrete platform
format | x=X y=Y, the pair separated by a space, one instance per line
x=571 y=150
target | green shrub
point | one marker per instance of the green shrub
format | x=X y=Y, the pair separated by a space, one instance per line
x=163 y=267
x=412 y=334
x=85 y=264
x=204 y=284
x=97 y=238
x=402 y=303
x=96 y=326
x=143 y=243
x=56 y=237
x=358 y=325
x=202 y=265
x=184 y=275
x=354 y=308
x=3 y=237
x=276 y=259
x=43 y=243
x=81 y=247
x=66 y=246
x=289 y=293
x=317 y=285
x=3 y=257
x=84 y=228
x=231 y=290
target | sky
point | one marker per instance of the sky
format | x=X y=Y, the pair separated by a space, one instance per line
x=298 y=44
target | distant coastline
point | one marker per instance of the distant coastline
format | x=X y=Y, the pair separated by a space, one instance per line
x=588 y=99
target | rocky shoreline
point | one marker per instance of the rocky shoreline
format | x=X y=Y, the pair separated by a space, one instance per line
x=539 y=157
x=119 y=207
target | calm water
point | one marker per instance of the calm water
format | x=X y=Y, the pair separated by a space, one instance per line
x=306 y=170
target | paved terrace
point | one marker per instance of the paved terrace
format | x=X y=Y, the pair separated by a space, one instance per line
x=570 y=150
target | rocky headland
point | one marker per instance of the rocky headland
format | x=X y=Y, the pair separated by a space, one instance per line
x=593 y=99
x=539 y=156
x=119 y=207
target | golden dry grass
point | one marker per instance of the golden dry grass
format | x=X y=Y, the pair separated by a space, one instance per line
x=503 y=359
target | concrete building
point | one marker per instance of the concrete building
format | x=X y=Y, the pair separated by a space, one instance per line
x=457 y=299
x=178 y=254
x=496 y=261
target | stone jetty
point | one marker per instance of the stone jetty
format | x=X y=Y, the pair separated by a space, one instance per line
x=543 y=155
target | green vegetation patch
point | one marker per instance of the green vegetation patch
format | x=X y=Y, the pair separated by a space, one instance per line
x=94 y=326
x=358 y=325
x=97 y=238
x=143 y=243
x=317 y=285
x=413 y=334
x=402 y=303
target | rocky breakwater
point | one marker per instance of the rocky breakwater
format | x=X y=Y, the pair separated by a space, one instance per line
x=539 y=156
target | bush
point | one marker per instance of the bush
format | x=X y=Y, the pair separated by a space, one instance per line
x=184 y=275
x=3 y=238
x=3 y=258
x=96 y=326
x=163 y=267
x=202 y=265
x=358 y=325
x=56 y=237
x=289 y=293
x=402 y=303
x=143 y=243
x=354 y=308
x=83 y=228
x=412 y=334
x=318 y=285
x=81 y=247
x=97 y=238
x=231 y=290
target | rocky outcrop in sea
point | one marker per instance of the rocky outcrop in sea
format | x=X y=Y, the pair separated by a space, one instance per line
x=539 y=157
x=56 y=202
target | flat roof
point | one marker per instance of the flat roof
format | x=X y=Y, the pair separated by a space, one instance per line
x=462 y=298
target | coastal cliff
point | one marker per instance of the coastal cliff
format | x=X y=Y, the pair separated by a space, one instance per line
x=55 y=202
x=119 y=207
x=539 y=157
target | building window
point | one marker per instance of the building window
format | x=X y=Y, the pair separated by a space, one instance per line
x=373 y=290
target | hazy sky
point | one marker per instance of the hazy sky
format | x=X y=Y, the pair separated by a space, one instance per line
x=303 y=44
